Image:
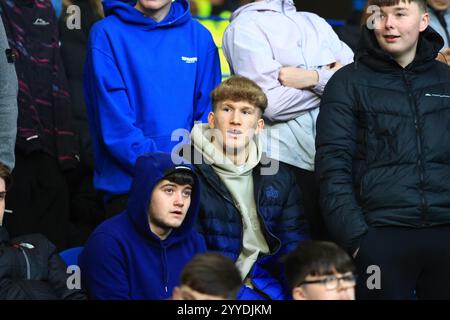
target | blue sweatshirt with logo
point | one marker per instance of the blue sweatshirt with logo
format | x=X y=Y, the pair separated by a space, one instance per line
x=143 y=80
x=123 y=259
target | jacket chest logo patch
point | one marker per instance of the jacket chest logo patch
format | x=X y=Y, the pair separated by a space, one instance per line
x=437 y=95
x=271 y=193
x=189 y=59
x=40 y=22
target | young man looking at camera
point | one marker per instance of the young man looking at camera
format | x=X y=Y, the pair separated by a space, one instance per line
x=249 y=211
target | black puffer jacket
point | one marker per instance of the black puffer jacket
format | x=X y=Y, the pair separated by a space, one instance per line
x=383 y=142
x=31 y=269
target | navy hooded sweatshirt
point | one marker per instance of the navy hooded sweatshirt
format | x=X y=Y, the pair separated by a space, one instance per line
x=123 y=259
x=144 y=79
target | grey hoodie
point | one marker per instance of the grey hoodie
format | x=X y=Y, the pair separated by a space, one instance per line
x=8 y=103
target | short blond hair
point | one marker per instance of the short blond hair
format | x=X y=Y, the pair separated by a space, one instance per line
x=238 y=88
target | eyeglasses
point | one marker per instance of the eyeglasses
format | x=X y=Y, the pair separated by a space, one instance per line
x=333 y=282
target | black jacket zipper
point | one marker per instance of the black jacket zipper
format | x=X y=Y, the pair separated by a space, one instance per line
x=420 y=161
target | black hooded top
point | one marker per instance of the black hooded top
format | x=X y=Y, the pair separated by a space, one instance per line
x=123 y=259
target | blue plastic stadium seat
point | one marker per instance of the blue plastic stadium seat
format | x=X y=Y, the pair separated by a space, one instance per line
x=70 y=256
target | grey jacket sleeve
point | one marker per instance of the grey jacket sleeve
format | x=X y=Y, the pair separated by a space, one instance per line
x=8 y=103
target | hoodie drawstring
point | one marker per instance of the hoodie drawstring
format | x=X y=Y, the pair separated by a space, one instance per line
x=165 y=273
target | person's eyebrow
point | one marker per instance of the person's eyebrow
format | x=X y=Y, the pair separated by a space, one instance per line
x=168 y=184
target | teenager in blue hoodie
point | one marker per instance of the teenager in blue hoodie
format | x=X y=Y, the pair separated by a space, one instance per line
x=140 y=253
x=149 y=70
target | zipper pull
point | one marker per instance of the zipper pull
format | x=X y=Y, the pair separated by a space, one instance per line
x=165 y=288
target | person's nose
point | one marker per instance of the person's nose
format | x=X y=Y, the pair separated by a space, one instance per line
x=388 y=22
x=179 y=199
x=236 y=118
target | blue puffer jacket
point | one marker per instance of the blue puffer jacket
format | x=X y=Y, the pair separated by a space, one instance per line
x=281 y=215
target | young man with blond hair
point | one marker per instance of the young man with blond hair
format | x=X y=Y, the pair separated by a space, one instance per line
x=250 y=207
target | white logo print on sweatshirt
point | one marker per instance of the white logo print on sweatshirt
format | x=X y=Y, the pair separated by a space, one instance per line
x=189 y=59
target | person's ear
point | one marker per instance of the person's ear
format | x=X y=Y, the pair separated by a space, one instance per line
x=298 y=294
x=176 y=294
x=425 y=21
x=259 y=126
x=211 y=118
